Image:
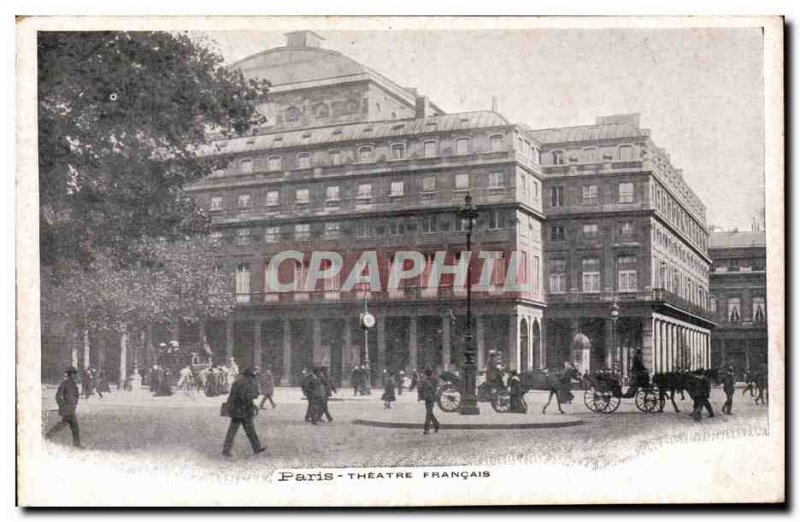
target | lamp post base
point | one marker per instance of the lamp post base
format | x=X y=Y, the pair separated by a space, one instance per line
x=469 y=406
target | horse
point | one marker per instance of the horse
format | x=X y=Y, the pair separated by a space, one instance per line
x=680 y=381
x=556 y=382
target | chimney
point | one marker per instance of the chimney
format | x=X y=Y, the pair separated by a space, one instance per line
x=494 y=103
x=302 y=39
x=421 y=107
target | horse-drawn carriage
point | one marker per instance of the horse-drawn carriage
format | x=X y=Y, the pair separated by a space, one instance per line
x=603 y=393
x=448 y=395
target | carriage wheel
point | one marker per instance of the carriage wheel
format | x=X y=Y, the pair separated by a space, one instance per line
x=647 y=400
x=600 y=401
x=449 y=398
x=501 y=402
x=612 y=402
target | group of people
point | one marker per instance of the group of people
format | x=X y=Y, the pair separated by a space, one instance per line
x=359 y=380
x=317 y=389
x=94 y=380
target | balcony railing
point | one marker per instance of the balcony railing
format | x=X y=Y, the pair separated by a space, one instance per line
x=655 y=296
x=408 y=293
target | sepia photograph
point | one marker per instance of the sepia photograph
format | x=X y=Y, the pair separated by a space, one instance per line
x=375 y=261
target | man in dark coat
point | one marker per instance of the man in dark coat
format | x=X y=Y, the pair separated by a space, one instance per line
x=328 y=390
x=516 y=393
x=700 y=393
x=310 y=391
x=427 y=393
x=67 y=397
x=728 y=388
x=355 y=380
x=241 y=410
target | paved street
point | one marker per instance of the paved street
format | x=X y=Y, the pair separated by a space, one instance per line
x=162 y=430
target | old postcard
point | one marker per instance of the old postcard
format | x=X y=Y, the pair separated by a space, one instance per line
x=321 y=261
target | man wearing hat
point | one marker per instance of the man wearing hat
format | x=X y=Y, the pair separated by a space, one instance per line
x=241 y=410
x=67 y=398
x=727 y=387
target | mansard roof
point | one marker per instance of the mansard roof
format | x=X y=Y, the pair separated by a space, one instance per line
x=736 y=239
x=365 y=132
x=609 y=131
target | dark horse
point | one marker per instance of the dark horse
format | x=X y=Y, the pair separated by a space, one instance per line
x=670 y=383
x=556 y=382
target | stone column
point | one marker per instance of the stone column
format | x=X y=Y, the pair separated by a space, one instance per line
x=257 y=355
x=316 y=343
x=228 y=338
x=381 y=331
x=287 y=352
x=479 y=342
x=412 y=342
x=513 y=342
x=657 y=346
x=609 y=341
x=347 y=352
x=446 y=342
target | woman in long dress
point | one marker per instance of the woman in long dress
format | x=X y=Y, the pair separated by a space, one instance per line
x=388 y=396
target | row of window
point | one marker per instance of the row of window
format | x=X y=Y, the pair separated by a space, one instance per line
x=590 y=194
x=591 y=231
x=674 y=247
x=737 y=265
x=733 y=313
x=364 y=192
x=674 y=279
x=674 y=212
x=366 y=154
x=590 y=155
x=591 y=280
x=493 y=220
x=527 y=273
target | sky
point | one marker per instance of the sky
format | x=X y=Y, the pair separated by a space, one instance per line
x=700 y=91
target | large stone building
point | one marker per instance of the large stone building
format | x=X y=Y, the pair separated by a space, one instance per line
x=622 y=225
x=351 y=162
x=739 y=290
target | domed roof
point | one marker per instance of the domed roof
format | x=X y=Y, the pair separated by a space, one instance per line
x=285 y=65
x=581 y=342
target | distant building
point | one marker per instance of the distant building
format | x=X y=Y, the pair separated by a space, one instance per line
x=739 y=290
x=622 y=225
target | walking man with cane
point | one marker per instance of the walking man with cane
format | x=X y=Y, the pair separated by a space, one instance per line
x=241 y=409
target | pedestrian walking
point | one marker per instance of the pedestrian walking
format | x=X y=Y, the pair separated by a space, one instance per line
x=388 y=396
x=517 y=394
x=728 y=388
x=67 y=397
x=267 y=387
x=427 y=393
x=700 y=395
x=414 y=380
x=310 y=391
x=328 y=390
x=241 y=409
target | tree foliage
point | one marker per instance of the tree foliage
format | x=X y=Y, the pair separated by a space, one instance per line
x=122 y=117
x=168 y=280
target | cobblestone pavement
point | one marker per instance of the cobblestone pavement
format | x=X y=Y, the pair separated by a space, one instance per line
x=150 y=431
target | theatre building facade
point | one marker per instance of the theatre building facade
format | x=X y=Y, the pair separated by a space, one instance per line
x=626 y=248
x=349 y=162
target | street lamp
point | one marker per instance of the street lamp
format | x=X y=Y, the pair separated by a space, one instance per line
x=366 y=320
x=614 y=317
x=469 y=399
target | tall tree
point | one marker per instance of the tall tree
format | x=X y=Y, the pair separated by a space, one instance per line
x=122 y=119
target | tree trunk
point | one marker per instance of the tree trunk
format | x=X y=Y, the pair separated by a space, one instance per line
x=123 y=358
x=86 y=348
x=151 y=352
x=73 y=355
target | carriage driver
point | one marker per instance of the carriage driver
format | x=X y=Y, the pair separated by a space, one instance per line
x=640 y=376
x=494 y=374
